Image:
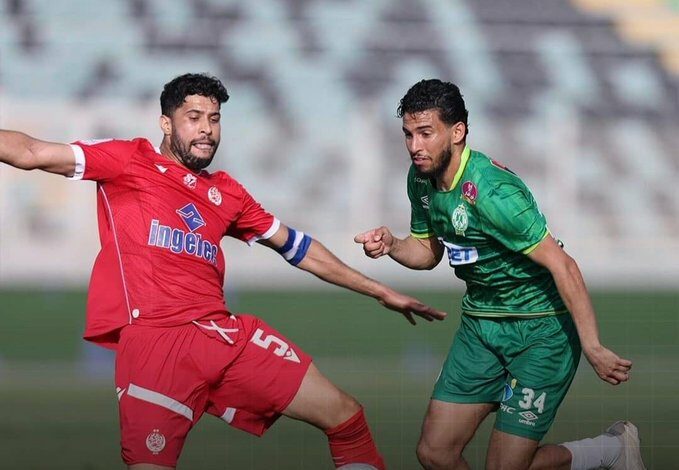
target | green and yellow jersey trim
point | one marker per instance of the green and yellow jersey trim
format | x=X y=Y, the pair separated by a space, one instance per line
x=422 y=236
x=463 y=164
x=535 y=245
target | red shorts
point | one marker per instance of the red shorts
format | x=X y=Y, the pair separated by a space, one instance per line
x=238 y=369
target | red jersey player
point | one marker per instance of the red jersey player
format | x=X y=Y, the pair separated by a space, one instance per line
x=156 y=291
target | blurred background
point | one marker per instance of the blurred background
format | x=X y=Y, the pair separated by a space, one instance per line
x=579 y=97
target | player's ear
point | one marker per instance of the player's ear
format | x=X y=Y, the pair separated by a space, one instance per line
x=165 y=125
x=459 y=132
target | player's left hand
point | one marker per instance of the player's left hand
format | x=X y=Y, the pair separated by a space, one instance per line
x=410 y=306
x=609 y=366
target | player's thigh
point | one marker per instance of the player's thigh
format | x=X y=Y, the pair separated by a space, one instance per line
x=448 y=427
x=319 y=402
x=471 y=373
x=540 y=374
x=162 y=390
x=510 y=452
x=262 y=382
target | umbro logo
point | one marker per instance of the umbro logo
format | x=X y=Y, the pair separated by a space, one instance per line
x=529 y=415
x=161 y=168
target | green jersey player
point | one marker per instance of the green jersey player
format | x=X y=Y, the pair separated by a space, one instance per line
x=526 y=313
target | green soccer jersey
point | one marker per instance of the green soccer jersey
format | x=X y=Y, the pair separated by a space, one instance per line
x=488 y=222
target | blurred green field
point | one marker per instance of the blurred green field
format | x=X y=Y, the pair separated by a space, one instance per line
x=58 y=407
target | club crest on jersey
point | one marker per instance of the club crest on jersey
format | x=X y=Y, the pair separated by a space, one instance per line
x=179 y=241
x=460 y=219
x=155 y=441
x=214 y=196
x=190 y=181
x=469 y=192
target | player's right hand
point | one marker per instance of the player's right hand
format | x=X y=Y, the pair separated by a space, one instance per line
x=376 y=242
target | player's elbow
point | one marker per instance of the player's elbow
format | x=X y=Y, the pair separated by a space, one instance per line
x=572 y=268
x=24 y=161
x=28 y=157
x=567 y=269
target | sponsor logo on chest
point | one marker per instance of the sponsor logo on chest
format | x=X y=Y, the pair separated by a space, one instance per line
x=181 y=241
x=459 y=255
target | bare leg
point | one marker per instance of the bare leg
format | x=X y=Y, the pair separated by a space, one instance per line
x=447 y=429
x=510 y=452
x=320 y=403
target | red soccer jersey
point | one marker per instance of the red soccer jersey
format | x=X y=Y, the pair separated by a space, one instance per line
x=160 y=226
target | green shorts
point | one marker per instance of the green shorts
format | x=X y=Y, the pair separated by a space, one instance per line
x=524 y=365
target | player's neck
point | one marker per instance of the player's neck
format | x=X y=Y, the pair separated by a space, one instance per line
x=166 y=151
x=445 y=181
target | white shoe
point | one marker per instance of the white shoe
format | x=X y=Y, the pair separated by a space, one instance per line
x=630 y=457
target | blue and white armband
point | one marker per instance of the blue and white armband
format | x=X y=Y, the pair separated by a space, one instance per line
x=295 y=247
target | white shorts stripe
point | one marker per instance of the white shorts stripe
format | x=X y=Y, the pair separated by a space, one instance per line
x=229 y=414
x=160 y=400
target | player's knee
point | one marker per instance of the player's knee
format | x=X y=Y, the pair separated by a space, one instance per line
x=438 y=457
x=432 y=458
x=345 y=407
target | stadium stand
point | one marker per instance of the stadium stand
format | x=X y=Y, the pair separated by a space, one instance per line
x=583 y=105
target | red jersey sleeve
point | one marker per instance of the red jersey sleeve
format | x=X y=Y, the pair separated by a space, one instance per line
x=102 y=160
x=253 y=222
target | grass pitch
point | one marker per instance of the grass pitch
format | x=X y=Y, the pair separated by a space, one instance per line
x=58 y=408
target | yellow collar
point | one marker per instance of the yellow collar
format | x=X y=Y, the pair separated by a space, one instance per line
x=463 y=164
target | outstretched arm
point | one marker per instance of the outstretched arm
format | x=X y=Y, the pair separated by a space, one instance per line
x=321 y=262
x=608 y=365
x=411 y=252
x=24 y=152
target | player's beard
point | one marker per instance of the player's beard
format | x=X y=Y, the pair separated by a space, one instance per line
x=439 y=168
x=190 y=161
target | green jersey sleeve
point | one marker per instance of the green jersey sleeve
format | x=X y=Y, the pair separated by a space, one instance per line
x=418 y=193
x=509 y=212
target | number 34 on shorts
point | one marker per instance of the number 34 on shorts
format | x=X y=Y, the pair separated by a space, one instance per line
x=525 y=406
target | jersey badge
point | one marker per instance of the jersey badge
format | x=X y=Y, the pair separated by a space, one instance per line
x=191 y=217
x=460 y=219
x=155 y=442
x=190 y=181
x=469 y=192
x=214 y=196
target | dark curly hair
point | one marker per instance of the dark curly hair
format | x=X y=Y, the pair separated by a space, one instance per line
x=175 y=92
x=435 y=94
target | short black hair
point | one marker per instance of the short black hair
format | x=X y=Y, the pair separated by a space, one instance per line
x=435 y=94
x=175 y=92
